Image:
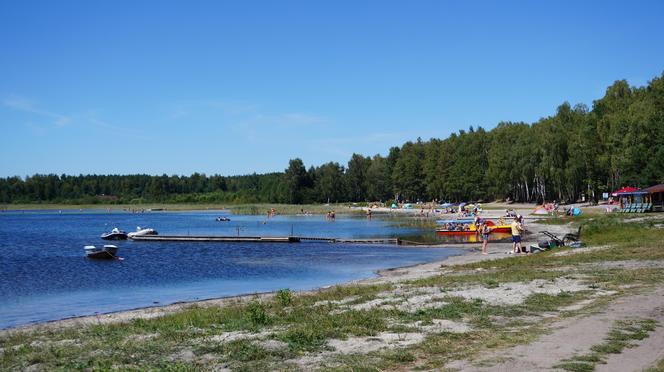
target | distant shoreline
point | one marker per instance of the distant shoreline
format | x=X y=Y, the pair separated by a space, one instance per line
x=294 y=208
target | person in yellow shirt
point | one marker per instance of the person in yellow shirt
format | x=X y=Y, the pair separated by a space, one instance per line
x=517 y=229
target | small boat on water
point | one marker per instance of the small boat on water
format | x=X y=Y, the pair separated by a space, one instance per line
x=115 y=234
x=106 y=252
x=222 y=219
x=142 y=232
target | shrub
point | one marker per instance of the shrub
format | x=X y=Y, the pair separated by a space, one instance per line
x=256 y=314
x=284 y=297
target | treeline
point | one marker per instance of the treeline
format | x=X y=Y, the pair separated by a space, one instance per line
x=575 y=153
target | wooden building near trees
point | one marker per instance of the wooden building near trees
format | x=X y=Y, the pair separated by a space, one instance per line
x=656 y=197
x=650 y=199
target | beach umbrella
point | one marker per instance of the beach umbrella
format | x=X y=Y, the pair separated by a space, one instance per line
x=541 y=211
x=393 y=206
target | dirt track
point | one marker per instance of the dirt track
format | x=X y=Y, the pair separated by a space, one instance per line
x=575 y=336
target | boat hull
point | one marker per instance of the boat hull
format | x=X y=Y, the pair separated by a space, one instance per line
x=106 y=252
x=114 y=236
x=472 y=231
x=142 y=232
x=452 y=232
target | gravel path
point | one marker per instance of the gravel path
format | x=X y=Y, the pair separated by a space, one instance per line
x=577 y=335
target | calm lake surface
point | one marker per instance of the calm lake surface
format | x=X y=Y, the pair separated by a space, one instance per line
x=45 y=276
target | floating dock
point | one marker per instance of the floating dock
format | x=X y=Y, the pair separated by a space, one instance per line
x=354 y=241
x=259 y=239
x=225 y=239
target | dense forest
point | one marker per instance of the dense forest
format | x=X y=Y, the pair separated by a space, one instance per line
x=578 y=152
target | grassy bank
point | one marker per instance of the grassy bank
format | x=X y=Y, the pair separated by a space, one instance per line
x=293 y=209
x=420 y=323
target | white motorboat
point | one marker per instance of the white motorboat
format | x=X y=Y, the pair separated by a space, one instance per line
x=106 y=252
x=142 y=232
x=115 y=234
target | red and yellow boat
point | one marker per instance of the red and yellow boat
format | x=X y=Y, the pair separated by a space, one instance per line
x=471 y=229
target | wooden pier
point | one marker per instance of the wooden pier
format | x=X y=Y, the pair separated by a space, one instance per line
x=260 y=239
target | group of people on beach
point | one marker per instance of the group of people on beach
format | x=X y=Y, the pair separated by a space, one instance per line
x=457 y=226
x=483 y=230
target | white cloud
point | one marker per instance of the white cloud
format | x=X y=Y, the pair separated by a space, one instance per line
x=21 y=104
x=85 y=119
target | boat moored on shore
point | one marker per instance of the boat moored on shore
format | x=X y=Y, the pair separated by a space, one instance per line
x=464 y=228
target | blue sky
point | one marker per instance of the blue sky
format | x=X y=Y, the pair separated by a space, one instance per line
x=239 y=87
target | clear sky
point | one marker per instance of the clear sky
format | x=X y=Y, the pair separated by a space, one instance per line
x=235 y=87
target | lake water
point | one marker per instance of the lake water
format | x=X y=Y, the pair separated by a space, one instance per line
x=45 y=276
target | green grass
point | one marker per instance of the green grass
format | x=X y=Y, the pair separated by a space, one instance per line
x=658 y=367
x=564 y=220
x=621 y=336
x=576 y=366
x=284 y=297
